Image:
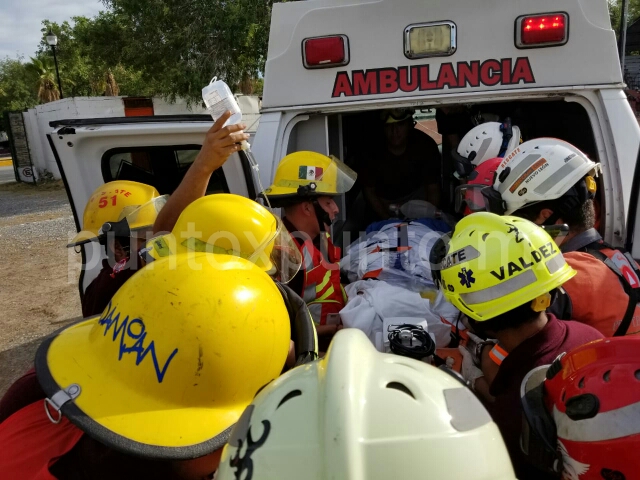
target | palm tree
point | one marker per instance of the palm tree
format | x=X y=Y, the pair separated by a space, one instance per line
x=44 y=72
x=112 y=89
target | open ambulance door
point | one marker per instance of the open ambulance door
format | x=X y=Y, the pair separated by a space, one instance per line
x=154 y=150
x=632 y=243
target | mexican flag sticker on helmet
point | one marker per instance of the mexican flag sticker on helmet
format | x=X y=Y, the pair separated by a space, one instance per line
x=310 y=173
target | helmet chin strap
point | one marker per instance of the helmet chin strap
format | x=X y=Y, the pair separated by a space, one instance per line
x=507 y=134
x=574 y=198
x=322 y=216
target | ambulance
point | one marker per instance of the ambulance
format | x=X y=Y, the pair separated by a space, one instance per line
x=550 y=65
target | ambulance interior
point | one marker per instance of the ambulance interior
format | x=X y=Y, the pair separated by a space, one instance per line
x=353 y=136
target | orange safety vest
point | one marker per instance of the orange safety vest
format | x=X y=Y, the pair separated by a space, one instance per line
x=605 y=291
x=322 y=291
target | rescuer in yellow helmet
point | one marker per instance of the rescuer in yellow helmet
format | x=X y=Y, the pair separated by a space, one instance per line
x=119 y=215
x=304 y=186
x=235 y=225
x=152 y=387
x=502 y=272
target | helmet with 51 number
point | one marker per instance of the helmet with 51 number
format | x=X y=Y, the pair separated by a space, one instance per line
x=485 y=141
x=359 y=414
x=582 y=413
x=234 y=225
x=121 y=207
x=491 y=265
x=539 y=170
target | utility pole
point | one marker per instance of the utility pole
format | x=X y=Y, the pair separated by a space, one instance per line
x=55 y=60
x=623 y=32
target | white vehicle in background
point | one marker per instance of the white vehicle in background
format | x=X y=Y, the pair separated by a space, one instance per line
x=551 y=65
x=154 y=150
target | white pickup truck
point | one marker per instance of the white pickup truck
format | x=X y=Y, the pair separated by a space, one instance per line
x=550 y=65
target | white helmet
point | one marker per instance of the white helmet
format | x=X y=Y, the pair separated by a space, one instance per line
x=485 y=141
x=539 y=170
x=359 y=414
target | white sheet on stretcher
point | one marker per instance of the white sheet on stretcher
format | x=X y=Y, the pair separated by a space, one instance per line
x=373 y=305
x=376 y=253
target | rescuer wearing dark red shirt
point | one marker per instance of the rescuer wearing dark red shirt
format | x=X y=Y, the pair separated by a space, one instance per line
x=502 y=272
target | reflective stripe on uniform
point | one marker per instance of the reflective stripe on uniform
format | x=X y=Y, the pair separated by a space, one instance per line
x=322 y=291
x=307 y=258
x=326 y=294
x=498 y=354
x=325 y=281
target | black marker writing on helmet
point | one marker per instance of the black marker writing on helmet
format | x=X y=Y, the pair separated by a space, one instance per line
x=521 y=264
x=245 y=464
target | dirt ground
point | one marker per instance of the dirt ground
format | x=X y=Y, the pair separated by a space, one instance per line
x=38 y=285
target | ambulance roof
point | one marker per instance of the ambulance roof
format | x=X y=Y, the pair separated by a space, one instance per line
x=486 y=58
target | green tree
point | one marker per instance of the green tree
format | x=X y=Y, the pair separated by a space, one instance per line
x=182 y=44
x=93 y=55
x=17 y=90
x=615 y=12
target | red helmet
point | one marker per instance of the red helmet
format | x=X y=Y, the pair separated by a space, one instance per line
x=471 y=193
x=586 y=407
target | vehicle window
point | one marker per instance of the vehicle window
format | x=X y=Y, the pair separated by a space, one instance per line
x=160 y=166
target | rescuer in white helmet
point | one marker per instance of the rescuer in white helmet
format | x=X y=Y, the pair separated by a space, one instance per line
x=552 y=183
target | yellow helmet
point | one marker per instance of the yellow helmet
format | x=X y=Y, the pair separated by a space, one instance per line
x=234 y=225
x=493 y=264
x=310 y=174
x=396 y=115
x=172 y=362
x=113 y=202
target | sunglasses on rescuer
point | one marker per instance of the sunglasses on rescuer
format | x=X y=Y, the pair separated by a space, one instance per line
x=471 y=196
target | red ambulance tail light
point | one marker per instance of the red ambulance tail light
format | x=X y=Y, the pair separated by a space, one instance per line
x=324 y=52
x=545 y=30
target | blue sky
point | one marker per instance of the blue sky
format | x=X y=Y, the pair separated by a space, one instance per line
x=20 y=21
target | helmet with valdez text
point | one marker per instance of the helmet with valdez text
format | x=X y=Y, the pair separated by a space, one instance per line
x=492 y=264
x=173 y=360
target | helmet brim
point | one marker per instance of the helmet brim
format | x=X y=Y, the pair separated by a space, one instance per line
x=277 y=255
x=82 y=237
x=538 y=439
x=114 y=414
